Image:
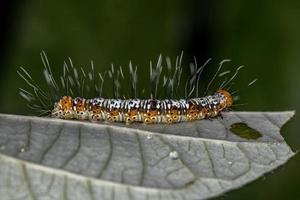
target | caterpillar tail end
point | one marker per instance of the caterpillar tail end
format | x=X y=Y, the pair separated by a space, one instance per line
x=228 y=97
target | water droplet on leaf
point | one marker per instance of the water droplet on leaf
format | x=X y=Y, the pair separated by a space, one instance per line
x=173 y=155
x=23 y=149
x=149 y=137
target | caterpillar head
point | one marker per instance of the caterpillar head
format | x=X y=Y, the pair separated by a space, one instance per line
x=63 y=108
x=66 y=103
x=228 y=97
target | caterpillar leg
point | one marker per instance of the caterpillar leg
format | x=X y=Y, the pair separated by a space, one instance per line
x=151 y=117
x=113 y=116
x=192 y=113
x=173 y=116
x=220 y=115
x=131 y=116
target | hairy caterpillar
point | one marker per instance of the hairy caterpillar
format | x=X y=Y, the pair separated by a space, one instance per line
x=58 y=101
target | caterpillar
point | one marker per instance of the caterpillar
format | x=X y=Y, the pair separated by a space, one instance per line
x=59 y=100
x=145 y=110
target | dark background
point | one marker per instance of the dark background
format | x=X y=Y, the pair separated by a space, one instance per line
x=262 y=35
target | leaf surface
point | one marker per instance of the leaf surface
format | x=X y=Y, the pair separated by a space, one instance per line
x=44 y=158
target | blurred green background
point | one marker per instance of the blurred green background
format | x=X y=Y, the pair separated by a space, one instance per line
x=262 y=35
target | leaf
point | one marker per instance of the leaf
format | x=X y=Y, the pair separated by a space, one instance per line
x=43 y=158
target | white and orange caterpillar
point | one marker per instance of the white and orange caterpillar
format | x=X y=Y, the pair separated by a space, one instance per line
x=147 y=111
x=58 y=102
